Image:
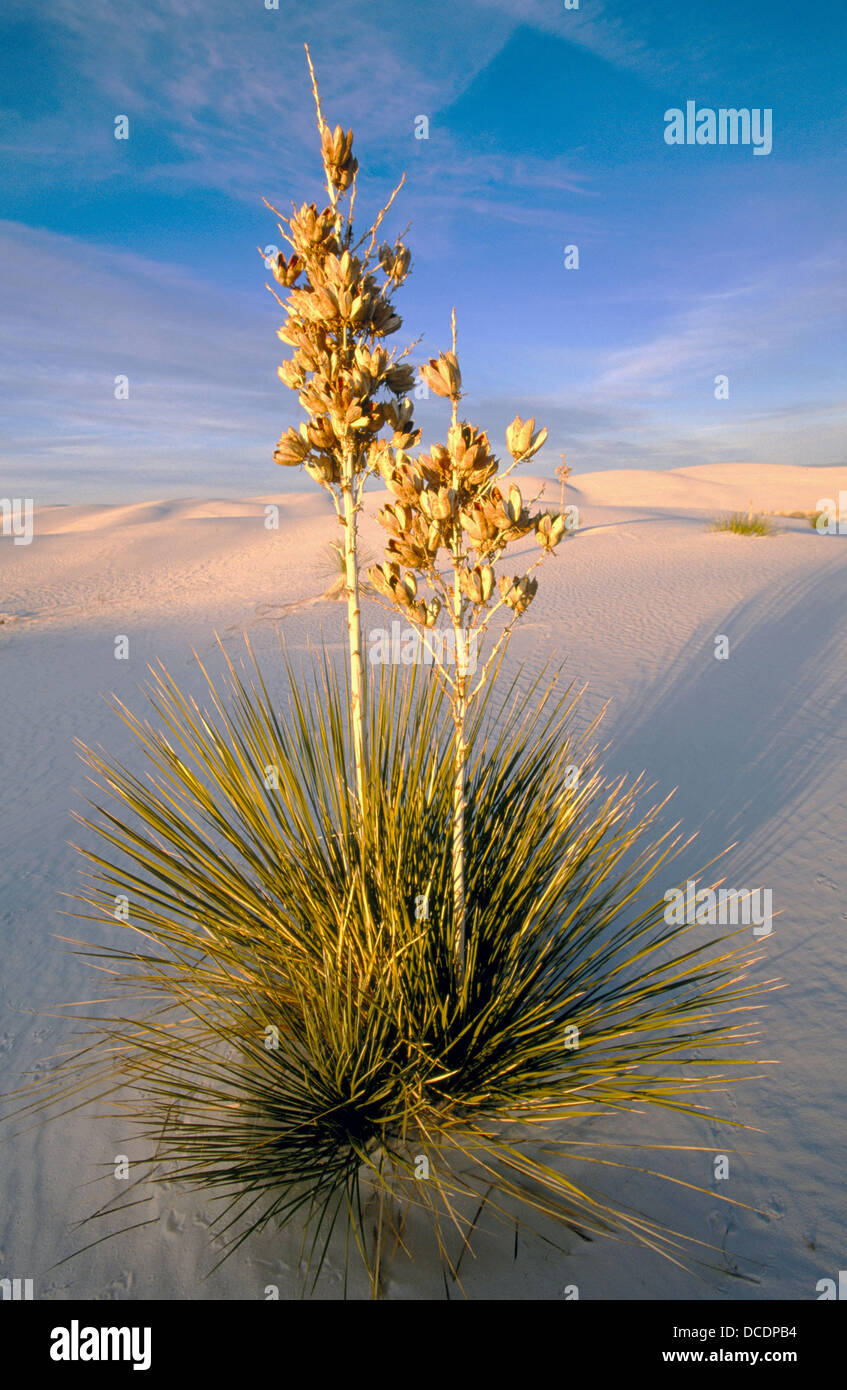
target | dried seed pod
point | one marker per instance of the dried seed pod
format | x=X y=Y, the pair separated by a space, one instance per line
x=313 y=232
x=434 y=538
x=385 y=578
x=518 y=592
x=291 y=449
x=438 y=505
x=521 y=441
x=322 y=470
x=384 y=321
x=397 y=517
x=401 y=485
x=291 y=374
x=469 y=583
x=407 y=552
x=442 y=375
x=337 y=151
x=321 y=435
x=400 y=379
x=286 y=272
x=395 y=261
x=479 y=526
x=549 y=530
x=431 y=612
x=311 y=399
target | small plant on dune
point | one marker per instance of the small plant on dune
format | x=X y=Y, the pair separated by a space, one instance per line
x=563 y=472
x=744 y=524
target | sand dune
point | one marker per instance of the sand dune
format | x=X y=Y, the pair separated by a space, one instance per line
x=54 y=521
x=756 y=745
x=726 y=485
x=716 y=485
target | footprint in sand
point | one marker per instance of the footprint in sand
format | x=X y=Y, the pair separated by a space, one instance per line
x=723 y=1226
x=118 y=1287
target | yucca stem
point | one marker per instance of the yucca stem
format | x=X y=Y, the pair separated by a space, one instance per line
x=459 y=806
x=460 y=712
x=354 y=634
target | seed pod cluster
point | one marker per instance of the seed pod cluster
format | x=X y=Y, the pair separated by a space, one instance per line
x=388 y=580
x=447 y=504
x=339 y=312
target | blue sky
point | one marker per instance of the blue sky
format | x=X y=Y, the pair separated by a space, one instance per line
x=547 y=127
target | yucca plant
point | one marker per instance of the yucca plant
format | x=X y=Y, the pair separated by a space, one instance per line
x=450 y=524
x=303 y=1055
x=563 y=472
x=339 y=312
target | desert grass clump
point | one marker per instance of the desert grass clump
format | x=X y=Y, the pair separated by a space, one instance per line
x=302 y=1056
x=744 y=524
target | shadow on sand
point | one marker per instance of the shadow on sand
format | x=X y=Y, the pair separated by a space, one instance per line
x=744 y=739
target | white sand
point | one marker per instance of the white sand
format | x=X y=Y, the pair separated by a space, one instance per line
x=755 y=744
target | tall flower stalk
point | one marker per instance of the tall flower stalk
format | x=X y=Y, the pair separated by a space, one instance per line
x=339 y=312
x=450 y=524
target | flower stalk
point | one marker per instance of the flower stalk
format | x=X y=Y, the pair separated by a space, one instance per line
x=450 y=523
x=339 y=312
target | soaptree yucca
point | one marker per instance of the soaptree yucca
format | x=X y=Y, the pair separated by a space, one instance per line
x=451 y=523
x=301 y=1053
x=339 y=314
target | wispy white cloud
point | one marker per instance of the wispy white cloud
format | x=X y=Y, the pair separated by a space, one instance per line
x=205 y=407
x=222 y=92
x=231 y=80
x=738 y=328
x=76 y=316
x=219 y=93
x=615 y=36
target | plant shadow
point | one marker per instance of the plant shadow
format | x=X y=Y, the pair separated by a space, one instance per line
x=745 y=739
